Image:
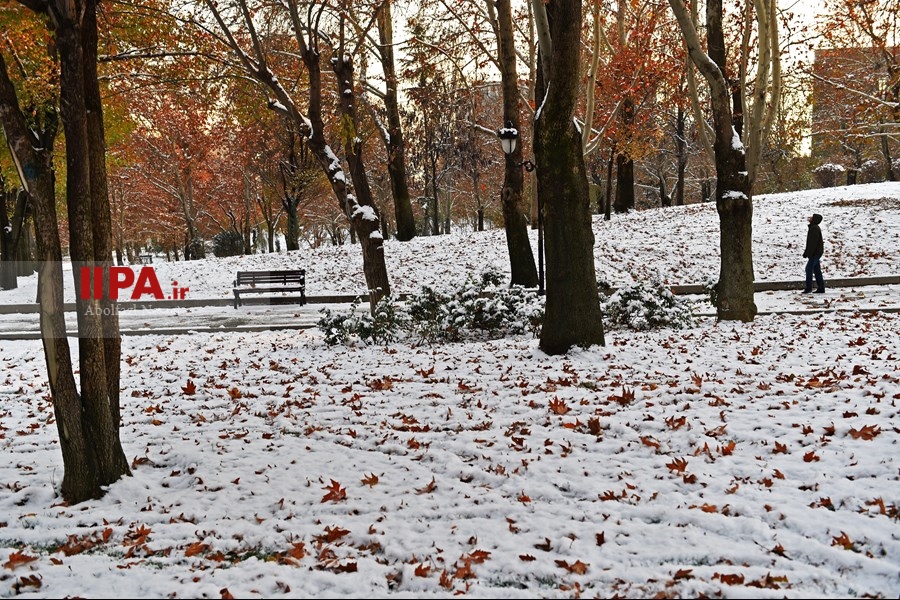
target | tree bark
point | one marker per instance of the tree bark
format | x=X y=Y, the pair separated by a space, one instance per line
x=625 y=164
x=364 y=215
x=89 y=234
x=515 y=222
x=733 y=184
x=395 y=142
x=573 y=316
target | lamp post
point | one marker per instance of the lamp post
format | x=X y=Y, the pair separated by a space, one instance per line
x=509 y=139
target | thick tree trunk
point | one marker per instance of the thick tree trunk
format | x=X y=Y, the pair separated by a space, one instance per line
x=364 y=215
x=573 y=316
x=33 y=151
x=734 y=201
x=396 y=145
x=515 y=222
x=89 y=234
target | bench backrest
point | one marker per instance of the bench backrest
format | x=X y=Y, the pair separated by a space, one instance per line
x=282 y=277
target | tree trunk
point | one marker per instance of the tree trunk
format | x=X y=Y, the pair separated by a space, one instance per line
x=625 y=164
x=8 y=269
x=680 y=156
x=733 y=186
x=624 y=184
x=396 y=145
x=90 y=239
x=515 y=222
x=573 y=316
x=364 y=215
x=607 y=207
x=292 y=230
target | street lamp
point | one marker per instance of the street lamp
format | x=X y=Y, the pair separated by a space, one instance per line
x=509 y=138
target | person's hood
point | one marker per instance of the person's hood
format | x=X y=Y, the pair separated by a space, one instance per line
x=816 y=219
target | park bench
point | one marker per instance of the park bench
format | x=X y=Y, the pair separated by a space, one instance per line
x=270 y=282
x=146 y=259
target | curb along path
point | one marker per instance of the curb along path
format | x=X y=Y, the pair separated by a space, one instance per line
x=215 y=315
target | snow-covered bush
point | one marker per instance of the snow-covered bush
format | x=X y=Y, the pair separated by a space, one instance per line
x=650 y=305
x=829 y=174
x=476 y=309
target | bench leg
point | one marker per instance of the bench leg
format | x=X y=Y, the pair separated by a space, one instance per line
x=237 y=300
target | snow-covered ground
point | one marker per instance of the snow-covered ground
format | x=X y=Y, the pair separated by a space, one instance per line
x=721 y=460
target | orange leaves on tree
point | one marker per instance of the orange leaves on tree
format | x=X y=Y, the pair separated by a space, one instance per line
x=18 y=558
x=190 y=389
x=335 y=492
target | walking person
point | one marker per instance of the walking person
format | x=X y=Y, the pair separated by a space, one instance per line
x=815 y=247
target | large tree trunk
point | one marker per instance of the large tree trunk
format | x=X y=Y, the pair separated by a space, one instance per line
x=733 y=184
x=396 y=145
x=573 y=316
x=89 y=236
x=364 y=216
x=521 y=258
x=80 y=442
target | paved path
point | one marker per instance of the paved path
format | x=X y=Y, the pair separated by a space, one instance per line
x=218 y=314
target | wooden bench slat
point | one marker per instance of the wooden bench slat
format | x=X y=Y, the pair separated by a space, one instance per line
x=289 y=281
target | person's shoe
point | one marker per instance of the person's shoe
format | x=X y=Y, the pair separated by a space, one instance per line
x=822 y=291
x=807 y=291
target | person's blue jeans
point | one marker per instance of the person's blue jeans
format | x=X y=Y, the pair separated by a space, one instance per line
x=814 y=269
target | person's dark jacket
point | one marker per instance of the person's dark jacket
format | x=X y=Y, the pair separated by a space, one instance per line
x=815 y=247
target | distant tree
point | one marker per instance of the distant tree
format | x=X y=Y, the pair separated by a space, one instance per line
x=856 y=88
x=242 y=27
